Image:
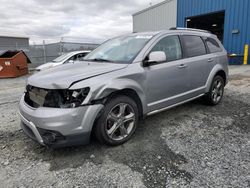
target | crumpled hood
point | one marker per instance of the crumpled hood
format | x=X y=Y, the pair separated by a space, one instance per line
x=62 y=77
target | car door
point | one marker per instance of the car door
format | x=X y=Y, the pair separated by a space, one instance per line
x=167 y=82
x=214 y=54
x=198 y=63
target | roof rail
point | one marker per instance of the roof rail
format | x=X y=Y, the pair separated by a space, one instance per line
x=189 y=29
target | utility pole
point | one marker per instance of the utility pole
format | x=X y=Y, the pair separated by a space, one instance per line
x=61 y=46
x=44 y=52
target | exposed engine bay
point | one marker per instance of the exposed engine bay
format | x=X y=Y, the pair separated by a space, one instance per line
x=54 y=98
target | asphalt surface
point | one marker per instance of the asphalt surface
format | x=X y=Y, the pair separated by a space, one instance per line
x=192 y=145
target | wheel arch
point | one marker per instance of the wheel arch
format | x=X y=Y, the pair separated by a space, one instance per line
x=223 y=75
x=131 y=94
x=217 y=70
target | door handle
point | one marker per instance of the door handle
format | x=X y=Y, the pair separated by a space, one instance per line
x=210 y=60
x=182 y=66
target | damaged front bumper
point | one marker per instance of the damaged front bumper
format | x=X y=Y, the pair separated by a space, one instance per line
x=58 y=127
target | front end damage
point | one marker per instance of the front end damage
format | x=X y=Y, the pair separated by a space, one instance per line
x=55 y=98
x=57 y=117
x=60 y=105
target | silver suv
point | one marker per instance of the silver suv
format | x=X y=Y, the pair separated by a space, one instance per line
x=125 y=79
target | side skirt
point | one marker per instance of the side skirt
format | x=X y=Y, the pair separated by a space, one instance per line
x=172 y=106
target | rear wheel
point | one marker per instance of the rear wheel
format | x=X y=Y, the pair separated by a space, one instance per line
x=118 y=121
x=215 y=94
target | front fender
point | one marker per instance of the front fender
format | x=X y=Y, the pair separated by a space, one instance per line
x=121 y=84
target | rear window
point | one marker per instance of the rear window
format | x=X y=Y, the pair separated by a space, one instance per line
x=213 y=46
x=194 y=46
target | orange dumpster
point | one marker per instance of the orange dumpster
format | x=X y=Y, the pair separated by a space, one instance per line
x=13 y=64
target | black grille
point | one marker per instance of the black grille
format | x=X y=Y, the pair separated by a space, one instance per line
x=29 y=101
x=54 y=98
x=50 y=136
x=50 y=98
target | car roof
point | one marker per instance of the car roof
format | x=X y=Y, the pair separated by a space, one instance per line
x=152 y=33
x=81 y=51
x=177 y=31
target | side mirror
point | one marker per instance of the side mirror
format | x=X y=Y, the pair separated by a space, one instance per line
x=71 y=61
x=155 y=57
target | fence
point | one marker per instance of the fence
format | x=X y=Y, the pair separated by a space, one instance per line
x=43 y=53
x=47 y=52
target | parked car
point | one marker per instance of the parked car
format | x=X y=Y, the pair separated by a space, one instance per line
x=69 y=57
x=123 y=80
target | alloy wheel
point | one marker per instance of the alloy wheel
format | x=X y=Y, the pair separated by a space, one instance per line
x=120 y=121
x=217 y=91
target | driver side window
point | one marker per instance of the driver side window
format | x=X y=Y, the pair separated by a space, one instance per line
x=171 y=46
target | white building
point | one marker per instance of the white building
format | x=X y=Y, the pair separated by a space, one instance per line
x=161 y=16
x=14 y=43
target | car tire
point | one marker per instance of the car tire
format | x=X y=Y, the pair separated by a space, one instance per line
x=118 y=121
x=216 y=91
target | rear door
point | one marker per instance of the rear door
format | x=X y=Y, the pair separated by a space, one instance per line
x=198 y=62
x=214 y=53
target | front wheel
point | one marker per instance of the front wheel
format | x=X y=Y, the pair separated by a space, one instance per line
x=215 y=94
x=118 y=121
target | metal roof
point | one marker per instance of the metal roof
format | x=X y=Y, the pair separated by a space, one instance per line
x=13 y=36
x=151 y=7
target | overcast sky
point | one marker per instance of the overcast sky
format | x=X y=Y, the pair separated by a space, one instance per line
x=52 y=19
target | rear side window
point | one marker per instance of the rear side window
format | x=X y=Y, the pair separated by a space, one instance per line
x=81 y=56
x=213 y=46
x=194 y=46
x=171 y=46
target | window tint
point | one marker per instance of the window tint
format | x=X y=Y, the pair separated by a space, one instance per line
x=171 y=46
x=212 y=45
x=194 y=46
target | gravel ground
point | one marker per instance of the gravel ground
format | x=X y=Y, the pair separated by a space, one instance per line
x=189 y=146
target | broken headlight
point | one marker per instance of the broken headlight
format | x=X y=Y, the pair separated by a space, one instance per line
x=65 y=98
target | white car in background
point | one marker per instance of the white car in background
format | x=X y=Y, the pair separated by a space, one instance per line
x=69 y=57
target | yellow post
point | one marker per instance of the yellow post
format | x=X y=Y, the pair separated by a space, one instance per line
x=246 y=54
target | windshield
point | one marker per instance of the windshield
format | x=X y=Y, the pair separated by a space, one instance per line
x=119 y=50
x=62 y=57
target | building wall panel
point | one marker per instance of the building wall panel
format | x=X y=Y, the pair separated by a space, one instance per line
x=237 y=16
x=159 y=17
x=12 y=43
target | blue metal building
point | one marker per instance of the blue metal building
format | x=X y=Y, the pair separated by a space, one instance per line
x=228 y=19
x=233 y=15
